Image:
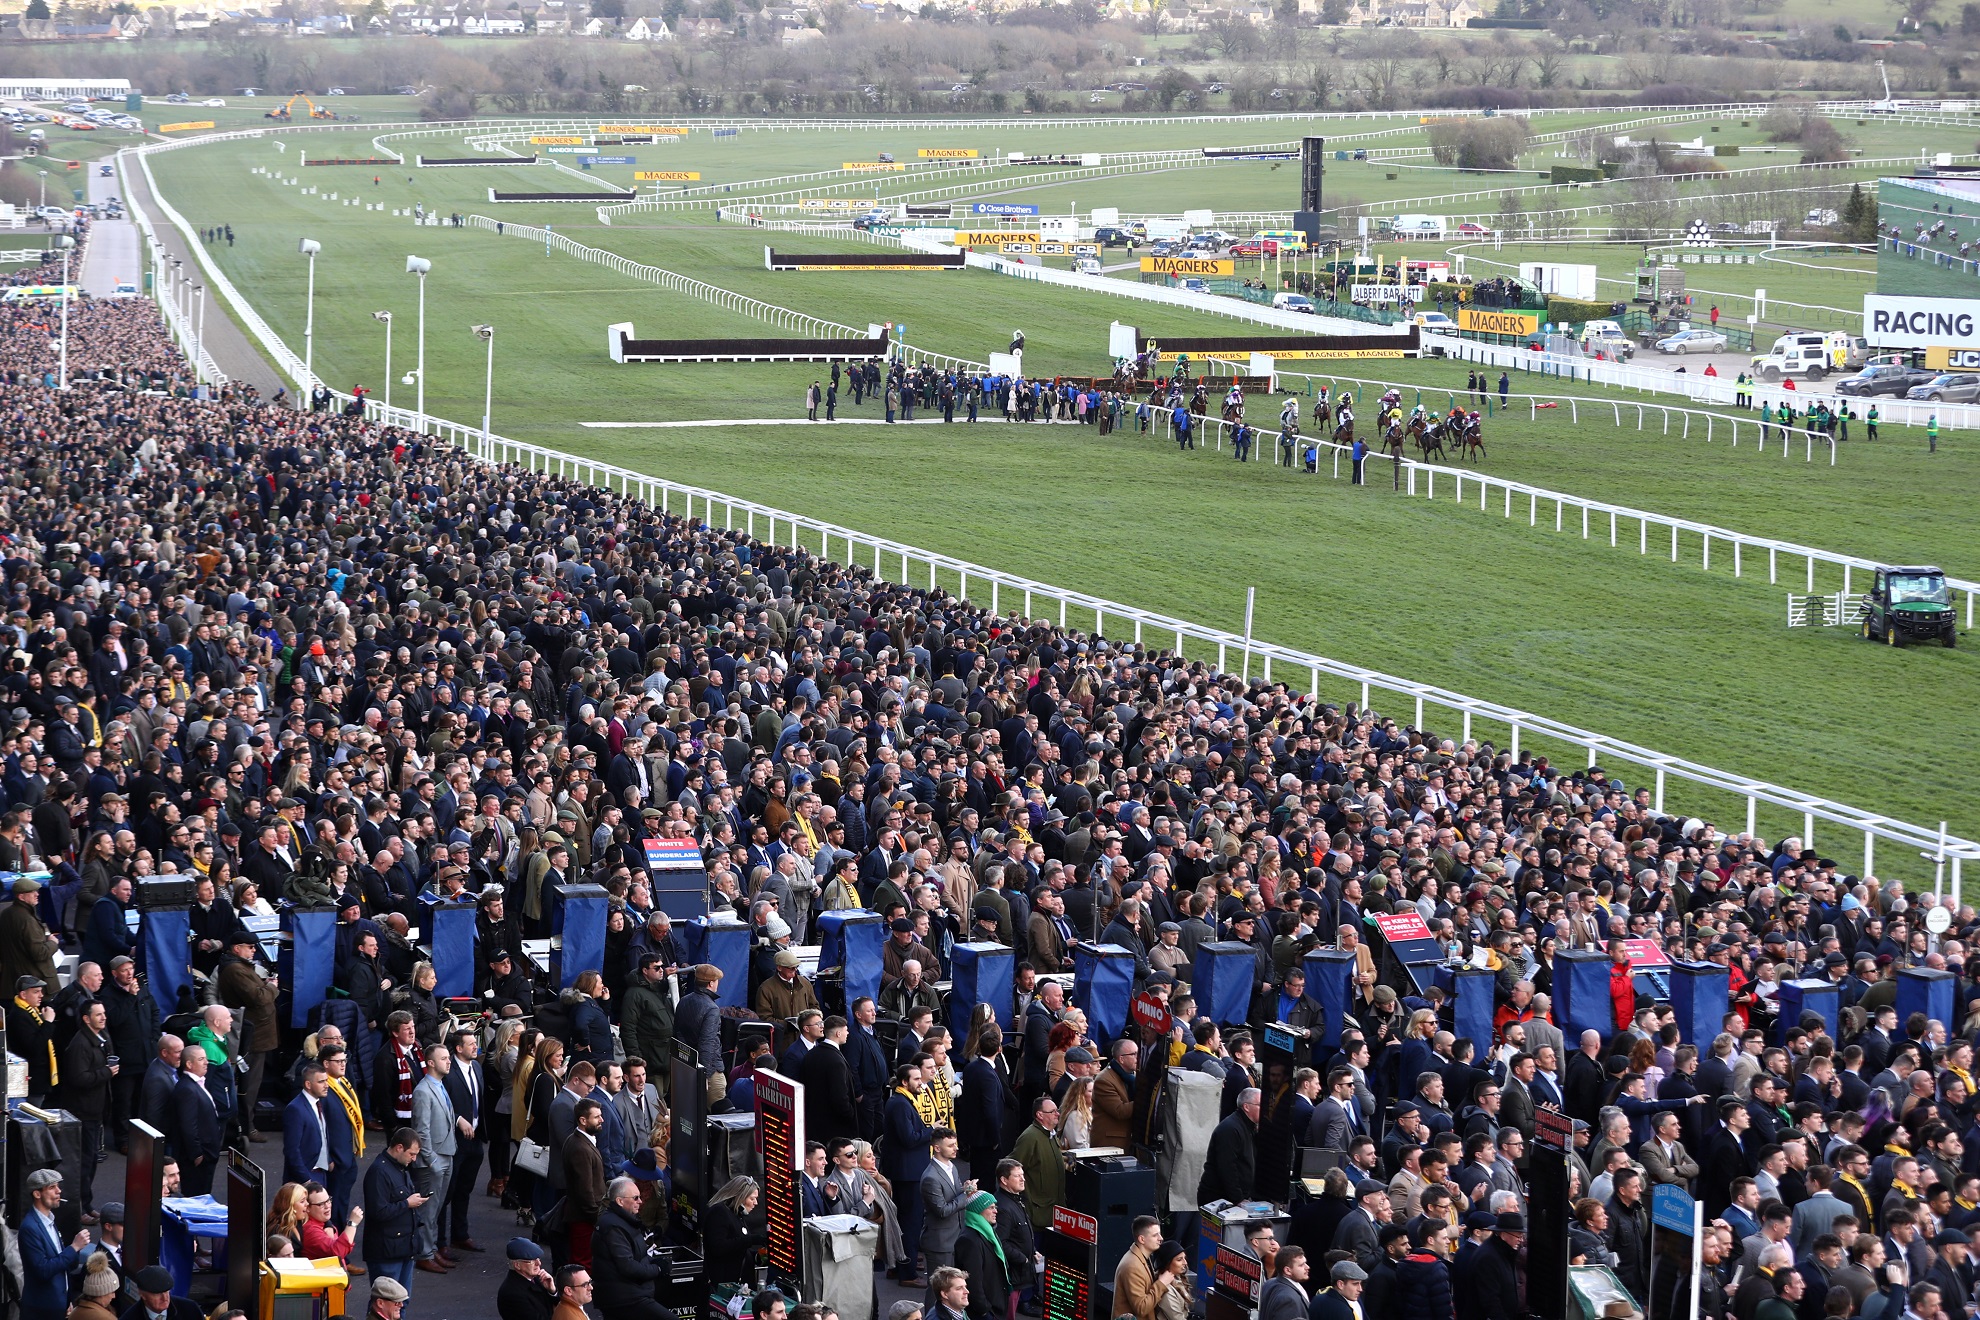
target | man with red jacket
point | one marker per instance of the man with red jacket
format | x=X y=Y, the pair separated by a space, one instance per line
x=1622 y=985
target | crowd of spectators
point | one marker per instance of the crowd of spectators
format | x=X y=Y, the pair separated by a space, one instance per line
x=298 y=657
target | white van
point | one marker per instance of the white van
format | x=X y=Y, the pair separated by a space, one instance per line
x=1293 y=302
x=1810 y=354
x=1608 y=339
x=1087 y=266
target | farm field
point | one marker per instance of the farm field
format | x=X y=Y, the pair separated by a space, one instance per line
x=1665 y=655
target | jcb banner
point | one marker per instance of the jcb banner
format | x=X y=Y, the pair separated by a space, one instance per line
x=836 y=203
x=666 y=176
x=1208 y=266
x=651 y=130
x=871 y=165
x=556 y=142
x=993 y=237
x=1018 y=249
x=1488 y=322
x=948 y=153
x=181 y=128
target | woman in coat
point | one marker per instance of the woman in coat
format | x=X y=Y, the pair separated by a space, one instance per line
x=429 y=1019
x=981 y=1256
x=730 y=1237
x=591 y=1029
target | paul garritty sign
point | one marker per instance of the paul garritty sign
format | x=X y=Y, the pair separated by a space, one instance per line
x=1891 y=321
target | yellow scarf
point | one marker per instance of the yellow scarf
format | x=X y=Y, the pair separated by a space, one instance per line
x=1963 y=1076
x=341 y=1088
x=54 y=1074
x=936 y=1104
x=1869 y=1207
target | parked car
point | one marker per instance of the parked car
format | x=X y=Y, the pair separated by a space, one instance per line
x=1952 y=387
x=1111 y=236
x=1196 y=286
x=1294 y=302
x=1693 y=341
x=1472 y=229
x=1087 y=266
x=1434 y=321
x=1891 y=379
x=1164 y=248
x=105 y=172
x=1203 y=243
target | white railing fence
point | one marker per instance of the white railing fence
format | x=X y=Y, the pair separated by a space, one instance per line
x=1292 y=665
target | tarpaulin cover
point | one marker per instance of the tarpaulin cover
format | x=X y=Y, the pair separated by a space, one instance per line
x=725 y=944
x=1103 y=985
x=1187 y=1121
x=163 y=943
x=449 y=932
x=983 y=975
x=1224 y=976
x=1330 y=984
x=309 y=959
x=1925 y=990
x=580 y=919
x=852 y=940
x=1472 y=1017
x=1581 y=994
x=1798 y=997
x=1700 y=997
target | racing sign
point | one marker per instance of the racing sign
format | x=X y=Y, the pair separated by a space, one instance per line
x=1644 y=955
x=1003 y=208
x=1149 y=1011
x=835 y=203
x=1893 y=321
x=1017 y=249
x=1489 y=321
x=948 y=153
x=650 y=130
x=556 y=141
x=666 y=176
x=871 y=165
x=1201 y=266
x=186 y=127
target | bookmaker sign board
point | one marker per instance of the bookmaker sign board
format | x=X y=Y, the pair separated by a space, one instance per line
x=780 y=1140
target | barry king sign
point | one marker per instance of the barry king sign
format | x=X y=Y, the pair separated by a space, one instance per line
x=1890 y=321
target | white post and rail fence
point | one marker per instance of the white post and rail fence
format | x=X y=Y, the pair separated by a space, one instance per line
x=1010 y=593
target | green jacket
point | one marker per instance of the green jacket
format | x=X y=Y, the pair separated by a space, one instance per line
x=1044 y=1173
x=647 y=1026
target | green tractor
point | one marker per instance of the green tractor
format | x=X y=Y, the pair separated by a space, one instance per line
x=1909 y=605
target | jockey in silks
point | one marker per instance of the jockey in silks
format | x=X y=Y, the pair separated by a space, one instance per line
x=1235 y=399
x=1289 y=414
x=1322 y=405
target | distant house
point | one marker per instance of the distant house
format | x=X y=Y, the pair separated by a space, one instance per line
x=793 y=36
x=508 y=23
x=648 y=29
x=1415 y=13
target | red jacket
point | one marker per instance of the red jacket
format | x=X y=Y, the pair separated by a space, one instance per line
x=1622 y=993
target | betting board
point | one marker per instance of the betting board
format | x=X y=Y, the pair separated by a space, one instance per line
x=780 y=1140
x=1068 y=1247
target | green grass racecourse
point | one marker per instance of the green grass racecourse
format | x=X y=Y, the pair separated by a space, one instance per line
x=1665 y=655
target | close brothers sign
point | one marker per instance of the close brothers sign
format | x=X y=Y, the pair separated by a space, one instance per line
x=1891 y=321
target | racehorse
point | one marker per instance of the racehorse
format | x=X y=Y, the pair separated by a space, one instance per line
x=1470 y=440
x=1344 y=433
x=1429 y=437
x=1392 y=438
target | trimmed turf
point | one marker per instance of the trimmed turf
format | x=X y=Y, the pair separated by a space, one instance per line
x=1667 y=656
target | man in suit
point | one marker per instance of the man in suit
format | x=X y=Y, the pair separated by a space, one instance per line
x=438 y=1129
x=1359 y=1228
x=391 y=1202
x=867 y=1058
x=904 y=1157
x=638 y=1103
x=818 y=1194
x=1664 y=1157
x=45 y=1263
x=1546 y=1084
x=980 y=1111
x=1343 y=1300
x=195 y=1127
x=1284 y=1294
x=944 y=1194
x=831 y=1109
x=1516 y=1095
x=317 y=1142
x=1816 y=1215
x=1333 y=1124
x=161 y=1077
x=1950 y=1273
x=1724 y=1157
x=584 y=1178
x=466 y=1084
x=1585 y=1079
